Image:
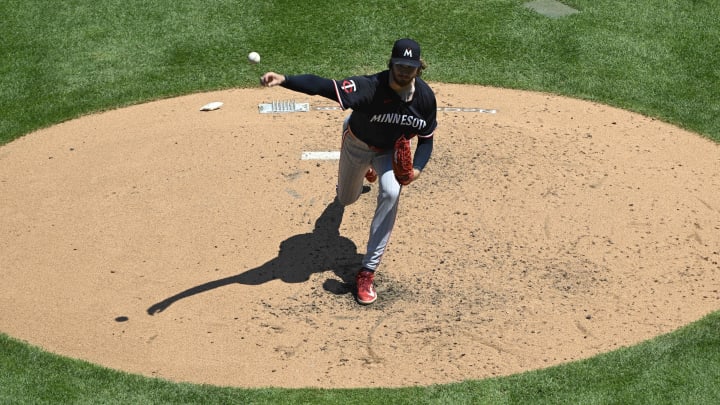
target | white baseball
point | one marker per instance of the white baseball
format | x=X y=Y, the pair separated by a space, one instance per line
x=254 y=57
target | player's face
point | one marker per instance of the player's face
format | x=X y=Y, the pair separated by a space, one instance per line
x=403 y=75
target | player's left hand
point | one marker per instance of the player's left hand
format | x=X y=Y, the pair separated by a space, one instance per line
x=402 y=162
x=416 y=173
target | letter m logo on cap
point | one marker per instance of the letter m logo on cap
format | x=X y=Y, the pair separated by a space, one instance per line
x=406 y=52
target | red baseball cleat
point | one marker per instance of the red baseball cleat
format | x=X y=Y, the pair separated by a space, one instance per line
x=371 y=175
x=365 y=289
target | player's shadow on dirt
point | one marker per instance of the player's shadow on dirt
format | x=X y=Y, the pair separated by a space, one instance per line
x=299 y=257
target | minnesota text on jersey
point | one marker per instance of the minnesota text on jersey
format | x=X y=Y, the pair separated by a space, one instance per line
x=400 y=119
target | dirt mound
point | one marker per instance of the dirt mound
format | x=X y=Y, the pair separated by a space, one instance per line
x=199 y=246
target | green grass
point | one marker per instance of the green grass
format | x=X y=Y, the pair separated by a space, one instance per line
x=63 y=59
x=681 y=367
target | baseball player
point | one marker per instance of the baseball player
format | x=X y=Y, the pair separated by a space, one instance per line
x=388 y=109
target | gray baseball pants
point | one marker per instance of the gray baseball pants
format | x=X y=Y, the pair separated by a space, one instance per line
x=356 y=157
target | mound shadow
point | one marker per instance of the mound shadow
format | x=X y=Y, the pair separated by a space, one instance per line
x=298 y=258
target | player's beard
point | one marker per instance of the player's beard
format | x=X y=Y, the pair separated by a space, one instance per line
x=400 y=79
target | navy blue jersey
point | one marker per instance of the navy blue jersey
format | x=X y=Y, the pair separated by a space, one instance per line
x=379 y=116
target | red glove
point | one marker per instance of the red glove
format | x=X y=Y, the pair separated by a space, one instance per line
x=403 y=161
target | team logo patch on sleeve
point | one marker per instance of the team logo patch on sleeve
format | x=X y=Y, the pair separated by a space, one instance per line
x=348 y=86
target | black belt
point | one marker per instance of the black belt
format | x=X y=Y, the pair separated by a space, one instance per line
x=372 y=148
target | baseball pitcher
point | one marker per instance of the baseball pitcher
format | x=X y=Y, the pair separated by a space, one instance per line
x=389 y=109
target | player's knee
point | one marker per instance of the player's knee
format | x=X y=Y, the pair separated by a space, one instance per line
x=346 y=201
x=390 y=194
x=345 y=198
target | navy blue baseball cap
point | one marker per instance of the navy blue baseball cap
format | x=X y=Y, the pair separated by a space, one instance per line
x=406 y=52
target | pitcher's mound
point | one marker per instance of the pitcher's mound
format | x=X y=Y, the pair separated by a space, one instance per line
x=198 y=246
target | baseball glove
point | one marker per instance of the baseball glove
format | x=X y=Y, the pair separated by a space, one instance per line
x=403 y=161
